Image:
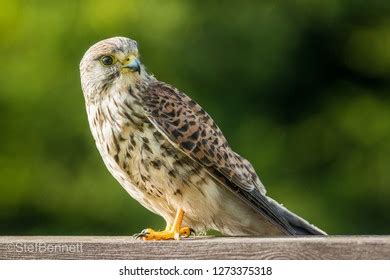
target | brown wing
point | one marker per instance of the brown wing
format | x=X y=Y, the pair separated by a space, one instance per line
x=188 y=125
x=190 y=128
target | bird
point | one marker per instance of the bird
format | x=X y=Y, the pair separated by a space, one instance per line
x=168 y=153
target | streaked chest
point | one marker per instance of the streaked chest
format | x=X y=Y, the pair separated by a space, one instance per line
x=131 y=147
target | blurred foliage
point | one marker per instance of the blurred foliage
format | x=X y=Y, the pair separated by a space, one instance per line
x=300 y=88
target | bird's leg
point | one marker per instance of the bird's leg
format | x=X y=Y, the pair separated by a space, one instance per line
x=176 y=227
x=171 y=232
x=183 y=230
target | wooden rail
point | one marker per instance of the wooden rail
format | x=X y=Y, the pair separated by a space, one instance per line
x=114 y=247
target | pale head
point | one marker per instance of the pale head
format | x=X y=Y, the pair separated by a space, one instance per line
x=111 y=62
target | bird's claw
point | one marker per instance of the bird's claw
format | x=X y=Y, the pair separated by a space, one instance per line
x=141 y=234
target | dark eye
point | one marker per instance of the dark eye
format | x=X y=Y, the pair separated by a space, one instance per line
x=107 y=60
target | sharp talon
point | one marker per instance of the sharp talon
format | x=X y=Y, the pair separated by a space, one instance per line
x=142 y=234
x=137 y=235
x=192 y=232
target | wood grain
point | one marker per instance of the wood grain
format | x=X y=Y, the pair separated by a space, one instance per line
x=115 y=247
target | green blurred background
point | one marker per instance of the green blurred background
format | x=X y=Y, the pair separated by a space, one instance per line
x=300 y=88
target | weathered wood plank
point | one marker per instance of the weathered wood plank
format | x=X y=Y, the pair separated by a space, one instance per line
x=114 y=247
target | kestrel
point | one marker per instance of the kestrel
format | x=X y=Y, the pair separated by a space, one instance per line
x=170 y=155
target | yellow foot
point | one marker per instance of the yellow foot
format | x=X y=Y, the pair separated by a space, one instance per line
x=150 y=234
x=174 y=231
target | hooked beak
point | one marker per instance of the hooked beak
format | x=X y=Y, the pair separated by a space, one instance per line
x=133 y=64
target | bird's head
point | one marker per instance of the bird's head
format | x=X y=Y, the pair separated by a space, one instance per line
x=110 y=62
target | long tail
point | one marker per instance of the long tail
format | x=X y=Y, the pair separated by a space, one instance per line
x=301 y=226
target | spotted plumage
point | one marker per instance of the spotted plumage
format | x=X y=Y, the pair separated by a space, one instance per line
x=168 y=153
